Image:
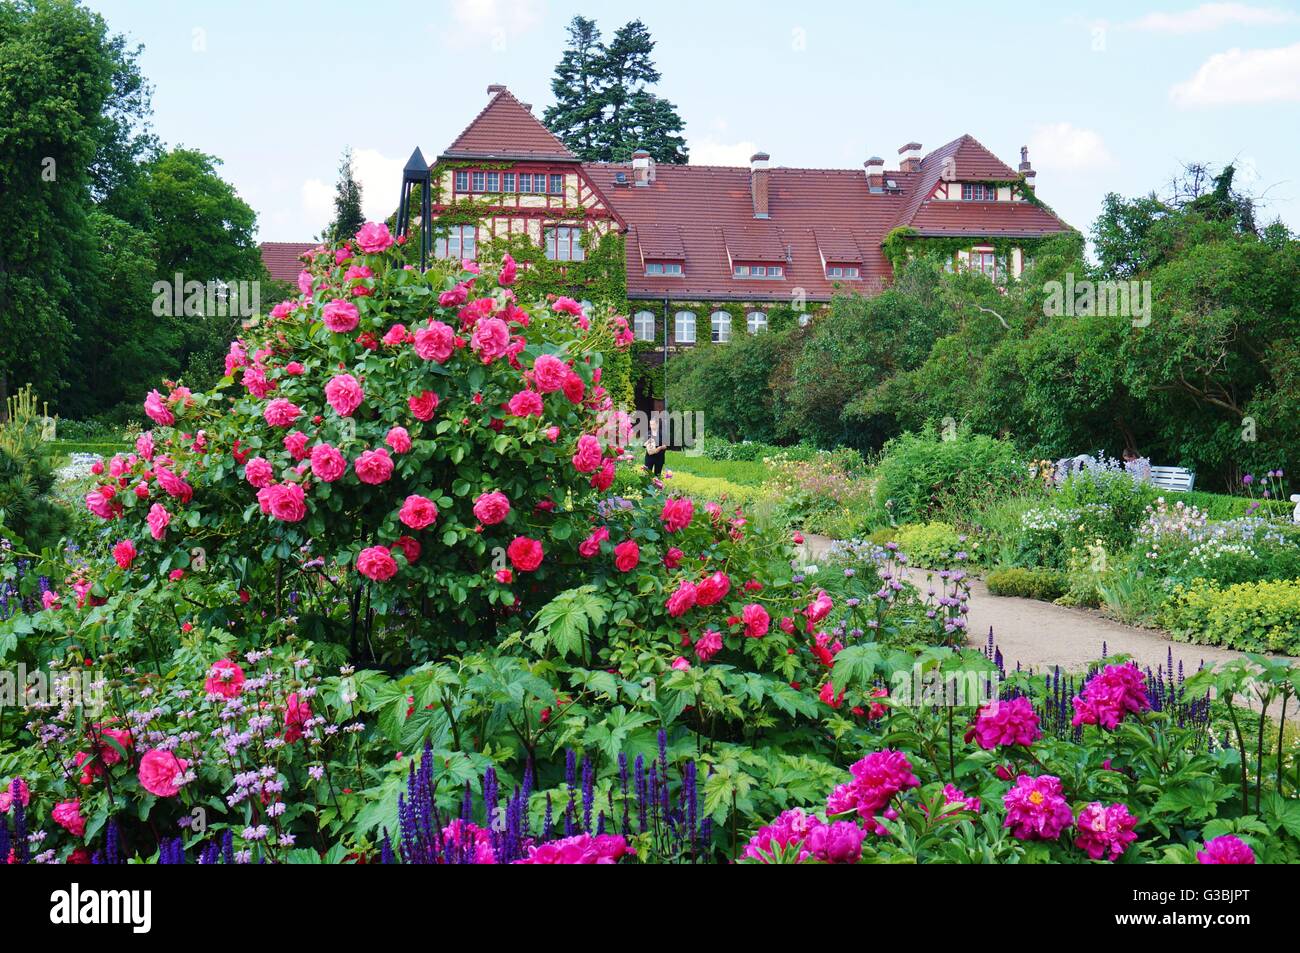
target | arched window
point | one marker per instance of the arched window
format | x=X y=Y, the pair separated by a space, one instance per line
x=756 y=322
x=643 y=325
x=684 y=331
x=721 y=321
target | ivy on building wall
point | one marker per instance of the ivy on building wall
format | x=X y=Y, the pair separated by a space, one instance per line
x=904 y=242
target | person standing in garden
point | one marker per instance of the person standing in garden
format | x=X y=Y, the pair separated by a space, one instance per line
x=654 y=448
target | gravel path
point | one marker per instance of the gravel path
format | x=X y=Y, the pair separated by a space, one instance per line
x=1040 y=635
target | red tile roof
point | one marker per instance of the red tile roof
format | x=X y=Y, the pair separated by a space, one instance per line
x=283 y=259
x=506 y=129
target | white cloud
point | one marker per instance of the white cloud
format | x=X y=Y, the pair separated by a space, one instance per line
x=1240 y=77
x=494 y=22
x=381 y=182
x=1213 y=16
x=709 y=151
x=1068 y=148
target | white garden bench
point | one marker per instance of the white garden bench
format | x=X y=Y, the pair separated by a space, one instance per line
x=1175 y=479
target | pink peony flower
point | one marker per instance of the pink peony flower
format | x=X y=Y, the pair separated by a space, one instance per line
x=418 y=512
x=756 y=620
x=340 y=316
x=1225 y=849
x=374 y=237
x=525 y=554
x=788 y=830
x=579 y=849
x=67 y=814
x=839 y=842
x=124 y=553
x=225 y=678
x=435 y=342
x=1110 y=695
x=876 y=780
x=158 y=520
x=377 y=563
x=491 y=508
x=344 y=394
x=1005 y=723
x=627 y=555
x=259 y=473
x=328 y=463
x=161 y=773
x=374 y=466
x=398 y=439
x=1104 y=831
x=281 y=412
x=678 y=513
x=1036 y=809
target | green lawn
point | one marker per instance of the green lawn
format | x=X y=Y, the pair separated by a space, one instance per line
x=745 y=472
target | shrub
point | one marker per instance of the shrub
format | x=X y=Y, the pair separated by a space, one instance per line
x=1118 y=502
x=921 y=476
x=1045 y=584
x=716 y=488
x=929 y=545
x=1251 y=616
x=27 y=477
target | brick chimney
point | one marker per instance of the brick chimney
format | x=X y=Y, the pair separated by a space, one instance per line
x=495 y=88
x=875 y=174
x=758 y=182
x=910 y=159
x=1027 y=170
x=643 y=168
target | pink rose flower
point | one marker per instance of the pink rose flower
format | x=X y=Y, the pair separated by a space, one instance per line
x=158 y=520
x=526 y=403
x=374 y=237
x=287 y=502
x=549 y=373
x=509 y=270
x=525 y=554
x=225 y=678
x=398 y=439
x=627 y=555
x=340 y=316
x=490 y=340
x=708 y=644
x=681 y=600
x=297 y=712
x=67 y=814
x=7 y=794
x=327 y=463
x=259 y=473
x=491 y=508
x=281 y=412
x=435 y=342
x=756 y=620
x=161 y=773
x=423 y=405
x=677 y=513
x=344 y=394
x=156 y=408
x=713 y=589
x=377 y=563
x=418 y=512
x=144 y=445
x=589 y=454
x=124 y=553
x=374 y=466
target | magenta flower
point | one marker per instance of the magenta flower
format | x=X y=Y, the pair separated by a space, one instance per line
x=1036 y=809
x=1115 y=691
x=1225 y=849
x=1105 y=831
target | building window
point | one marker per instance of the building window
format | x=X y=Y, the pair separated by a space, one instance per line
x=759 y=271
x=525 y=182
x=721 y=321
x=507 y=181
x=978 y=192
x=462 y=181
x=985 y=262
x=844 y=272
x=564 y=243
x=643 y=325
x=672 y=269
x=756 y=322
x=494 y=182
x=458 y=243
x=684 y=327
x=478 y=178
x=557 y=185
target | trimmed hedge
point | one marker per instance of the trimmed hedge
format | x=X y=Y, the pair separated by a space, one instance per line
x=1046 y=584
x=1248 y=616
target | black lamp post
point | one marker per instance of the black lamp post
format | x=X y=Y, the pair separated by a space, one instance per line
x=417 y=173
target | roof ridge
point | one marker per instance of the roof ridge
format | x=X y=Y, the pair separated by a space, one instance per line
x=502 y=97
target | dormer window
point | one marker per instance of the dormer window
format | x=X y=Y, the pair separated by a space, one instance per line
x=666 y=269
x=759 y=271
x=843 y=272
x=978 y=192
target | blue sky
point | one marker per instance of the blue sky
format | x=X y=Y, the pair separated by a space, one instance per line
x=1108 y=96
